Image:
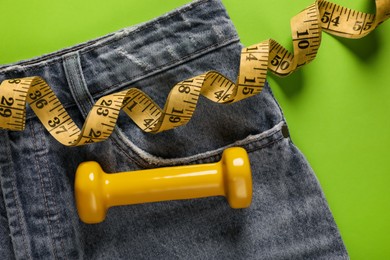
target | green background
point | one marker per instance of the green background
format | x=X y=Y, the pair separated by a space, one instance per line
x=337 y=107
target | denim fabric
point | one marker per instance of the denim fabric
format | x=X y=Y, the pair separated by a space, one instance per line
x=289 y=217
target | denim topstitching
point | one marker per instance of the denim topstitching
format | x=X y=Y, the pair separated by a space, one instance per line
x=166 y=66
x=20 y=225
x=39 y=172
x=147 y=160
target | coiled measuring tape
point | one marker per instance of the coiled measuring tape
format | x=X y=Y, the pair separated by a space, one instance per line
x=181 y=102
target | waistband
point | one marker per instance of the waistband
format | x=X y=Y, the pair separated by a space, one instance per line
x=131 y=54
x=153 y=56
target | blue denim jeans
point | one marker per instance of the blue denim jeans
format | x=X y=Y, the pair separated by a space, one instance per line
x=289 y=217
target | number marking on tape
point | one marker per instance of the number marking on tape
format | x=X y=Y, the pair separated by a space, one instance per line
x=256 y=60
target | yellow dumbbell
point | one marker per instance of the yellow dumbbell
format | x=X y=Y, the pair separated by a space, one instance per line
x=96 y=191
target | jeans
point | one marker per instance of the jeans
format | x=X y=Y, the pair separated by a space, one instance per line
x=289 y=217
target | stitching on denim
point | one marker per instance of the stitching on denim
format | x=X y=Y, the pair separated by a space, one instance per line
x=249 y=150
x=92 y=43
x=89 y=100
x=37 y=166
x=5 y=215
x=267 y=144
x=148 y=159
x=116 y=141
x=168 y=65
x=155 y=71
x=69 y=69
x=71 y=82
x=78 y=237
x=46 y=163
x=55 y=206
x=22 y=223
x=190 y=56
x=58 y=59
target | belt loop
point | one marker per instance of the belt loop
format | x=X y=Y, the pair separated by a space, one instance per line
x=77 y=84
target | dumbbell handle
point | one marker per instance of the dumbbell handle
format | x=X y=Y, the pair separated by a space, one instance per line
x=173 y=183
x=96 y=191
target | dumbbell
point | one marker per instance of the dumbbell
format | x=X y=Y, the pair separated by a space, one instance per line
x=96 y=191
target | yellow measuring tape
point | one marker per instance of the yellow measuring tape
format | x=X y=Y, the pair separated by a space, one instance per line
x=306 y=30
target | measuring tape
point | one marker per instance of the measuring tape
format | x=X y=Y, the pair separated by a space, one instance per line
x=256 y=60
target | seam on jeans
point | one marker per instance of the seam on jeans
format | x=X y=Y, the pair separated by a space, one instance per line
x=156 y=70
x=4 y=215
x=58 y=59
x=94 y=43
x=168 y=65
x=79 y=239
x=59 y=232
x=117 y=143
x=70 y=78
x=148 y=160
x=265 y=145
x=37 y=166
x=77 y=84
x=18 y=206
x=249 y=150
x=217 y=156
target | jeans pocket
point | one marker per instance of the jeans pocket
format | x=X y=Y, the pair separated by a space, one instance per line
x=213 y=126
